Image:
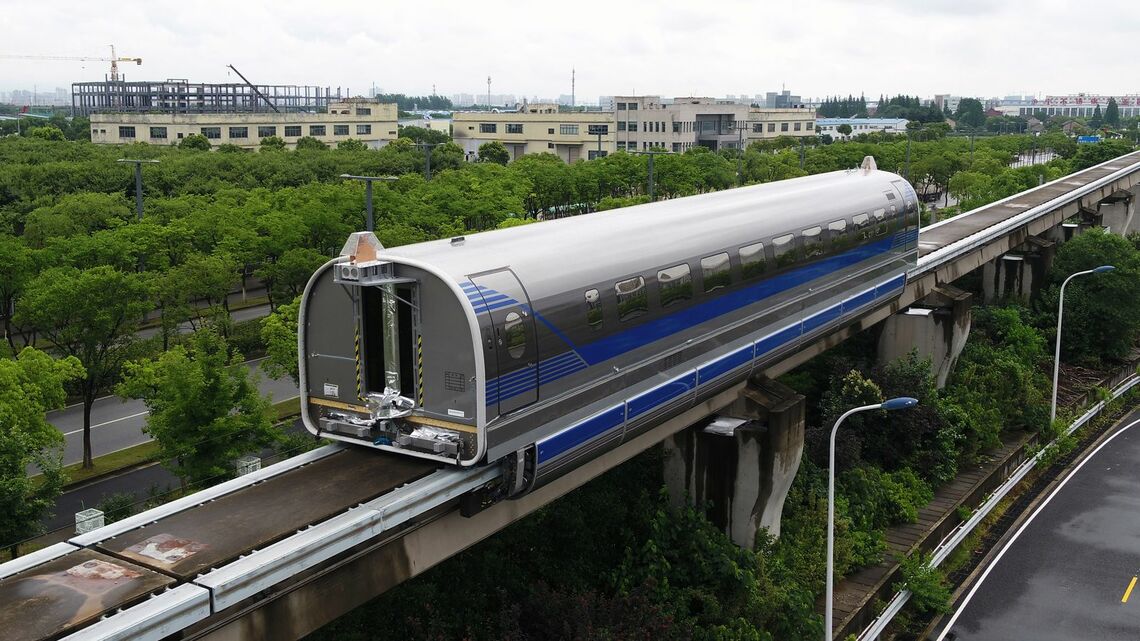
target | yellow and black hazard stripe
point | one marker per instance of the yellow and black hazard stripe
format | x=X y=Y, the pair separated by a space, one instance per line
x=420 y=366
x=356 y=349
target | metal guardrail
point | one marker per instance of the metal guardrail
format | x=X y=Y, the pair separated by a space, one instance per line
x=955 y=538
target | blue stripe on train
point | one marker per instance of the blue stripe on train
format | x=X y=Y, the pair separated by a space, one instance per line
x=598 y=424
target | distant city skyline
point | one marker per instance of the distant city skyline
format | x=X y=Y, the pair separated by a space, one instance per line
x=817 y=48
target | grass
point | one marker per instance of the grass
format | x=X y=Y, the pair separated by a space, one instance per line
x=287 y=408
x=113 y=462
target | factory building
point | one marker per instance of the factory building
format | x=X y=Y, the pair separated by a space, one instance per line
x=366 y=120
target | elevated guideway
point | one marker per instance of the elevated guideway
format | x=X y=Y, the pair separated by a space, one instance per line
x=280 y=552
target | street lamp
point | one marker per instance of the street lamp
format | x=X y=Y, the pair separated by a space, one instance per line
x=368 y=193
x=138 y=183
x=1057 y=353
x=899 y=403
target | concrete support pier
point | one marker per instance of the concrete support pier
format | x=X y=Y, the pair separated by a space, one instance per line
x=937 y=327
x=742 y=465
x=1118 y=214
x=1018 y=274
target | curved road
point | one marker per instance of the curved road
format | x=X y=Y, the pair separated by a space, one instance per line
x=1070 y=570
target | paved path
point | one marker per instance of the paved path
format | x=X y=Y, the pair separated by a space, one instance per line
x=1068 y=572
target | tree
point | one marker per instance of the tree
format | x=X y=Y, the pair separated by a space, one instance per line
x=1097 y=119
x=495 y=152
x=970 y=113
x=18 y=269
x=351 y=144
x=844 y=129
x=272 y=143
x=1112 y=113
x=229 y=148
x=195 y=141
x=205 y=410
x=30 y=385
x=91 y=315
x=279 y=332
x=308 y=143
x=1102 y=311
x=423 y=135
x=49 y=132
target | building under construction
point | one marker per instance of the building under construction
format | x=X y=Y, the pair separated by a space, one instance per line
x=177 y=96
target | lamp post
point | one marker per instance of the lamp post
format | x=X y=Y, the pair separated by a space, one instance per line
x=138 y=183
x=899 y=403
x=1057 y=352
x=368 y=193
x=652 y=184
x=428 y=148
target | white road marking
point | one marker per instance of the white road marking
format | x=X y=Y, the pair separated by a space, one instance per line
x=114 y=420
x=1009 y=544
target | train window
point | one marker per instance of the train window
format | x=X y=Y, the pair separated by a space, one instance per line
x=714 y=271
x=837 y=235
x=752 y=261
x=632 y=299
x=783 y=247
x=676 y=284
x=881 y=223
x=593 y=309
x=862 y=226
x=514 y=335
x=813 y=242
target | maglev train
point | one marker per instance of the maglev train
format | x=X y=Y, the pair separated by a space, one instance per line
x=541 y=346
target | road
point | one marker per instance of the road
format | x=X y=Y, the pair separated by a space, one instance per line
x=1069 y=571
x=117 y=423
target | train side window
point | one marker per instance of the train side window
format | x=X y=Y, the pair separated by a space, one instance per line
x=593 y=309
x=676 y=284
x=813 y=242
x=837 y=235
x=881 y=223
x=862 y=226
x=752 y=261
x=632 y=298
x=514 y=331
x=784 y=250
x=715 y=271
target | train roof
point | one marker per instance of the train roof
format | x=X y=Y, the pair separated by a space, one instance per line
x=608 y=245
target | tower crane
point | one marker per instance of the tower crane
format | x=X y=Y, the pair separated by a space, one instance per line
x=114 y=60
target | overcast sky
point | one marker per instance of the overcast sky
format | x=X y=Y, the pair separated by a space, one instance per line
x=710 y=48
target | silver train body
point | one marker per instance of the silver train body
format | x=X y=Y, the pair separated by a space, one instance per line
x=541 y=346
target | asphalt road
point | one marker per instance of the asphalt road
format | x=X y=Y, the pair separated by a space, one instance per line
x=117 y=423
x=1066 y=573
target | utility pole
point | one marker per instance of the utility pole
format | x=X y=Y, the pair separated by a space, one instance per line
x=368 y=222
x=428 y=147
x=488 y=93
x=652 y=186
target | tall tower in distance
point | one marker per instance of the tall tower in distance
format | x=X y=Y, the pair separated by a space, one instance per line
x=571 y=86
x=488 y=92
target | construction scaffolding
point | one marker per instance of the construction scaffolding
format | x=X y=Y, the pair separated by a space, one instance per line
x=178 y=96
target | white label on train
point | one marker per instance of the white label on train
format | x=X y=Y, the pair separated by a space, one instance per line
x=458 y=413
x=332 y=390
